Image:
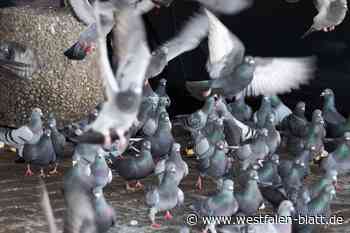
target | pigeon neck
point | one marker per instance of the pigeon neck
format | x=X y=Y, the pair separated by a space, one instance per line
x=329 y=102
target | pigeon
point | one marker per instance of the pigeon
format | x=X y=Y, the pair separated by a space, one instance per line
x=259 y=147
x=296 y=124
x=214 y=130
x=161 y=90
x=233 y=73
x=80 y=214
x=240 y=110
x=41 y=154
x=136 y=167
x=162 y=140
x=329 y=178
x=265 y=109
x=151 y=124
x=330 y=113
x=164 y=197
x=175 y=157
x=101 y=172
x=220 y=204
x=203 y=150
x=26 y=134
x=87 y=39
x=105 y=216
x=17 y=61
x=85 y=153
x=339 y=159
x=58 y=142
x=330 y=14
x=250 y=198
x=199 y=118
x=319 y=206
x=316 y=132
x=273 y=139
x=285 y=211
x=270 y=183
x=292 y=178
x=124 y=93
x=280 y=110
x=219 y=163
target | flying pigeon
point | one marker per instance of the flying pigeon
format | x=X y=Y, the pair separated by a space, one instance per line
x=331 y=13
x=232 y=72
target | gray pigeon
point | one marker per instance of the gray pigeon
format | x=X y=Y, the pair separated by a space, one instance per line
x=280 y=110
x=329 y=178
x=240 y=110
x=162 y=140
x=222 y=203
x=331 y=13
x=105 y=216
x=250 y=198
x=285 y=211
x=233 y=73
x=40 y=154
x=80 y=214
x=273 y=139
x=265 y=109
x=151 y=125
x=296 y=124
x=123 y=91
x=17 y=61
x=330 y=113
x=26 y=134
x=198 y=119
x=166 y=196
x=161 y=90
x=100 y=171
x=175 y=157
x=58 y=142
x=136 y=167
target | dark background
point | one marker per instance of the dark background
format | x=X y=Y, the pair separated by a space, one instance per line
x=269 y=28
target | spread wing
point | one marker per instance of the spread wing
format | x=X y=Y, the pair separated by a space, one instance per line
x=83 y=10
x=274 y=76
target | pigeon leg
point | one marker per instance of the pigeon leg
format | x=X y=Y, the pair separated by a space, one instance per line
x=139 y=185
x=152 y=216
x=199 y=183
x=212 y=228
x=205 y=230
x=29 y=171
x=42 y=173
x=168 y=215
x=128 y=187
x=55 y=170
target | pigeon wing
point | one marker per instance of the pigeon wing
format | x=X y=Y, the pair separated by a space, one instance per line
x=83 y=10
x=226 y=6
x=280 y=75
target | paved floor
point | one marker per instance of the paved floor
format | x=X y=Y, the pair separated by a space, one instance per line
x=20 y=211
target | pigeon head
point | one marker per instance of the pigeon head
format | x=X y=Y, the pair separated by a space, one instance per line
x=129 y=100
x=317 y=117
x=220 y=145
x=253 y=175
x=228 y=185
x=146 y=145
x=176 y=147
x=327 y=93
x=164 y=117
x=264 y=132
x=332 y=175
x=47 y=132
x=275 y=100
x=249 y=60
x=270 y=119
x=164 y=101
x=305 y=196
x=37 y=113
x=347 y=136
x=300 y=108
x=171 y=167
x=162 y=82
x=52 y=121
x=275 y=159
x=286 y=208
x=330 y=189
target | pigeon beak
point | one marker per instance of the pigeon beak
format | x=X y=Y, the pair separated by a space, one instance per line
x=260 y=162
x=256 y=178
x=74 y=162
x=230 y=188
x=323 y=93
